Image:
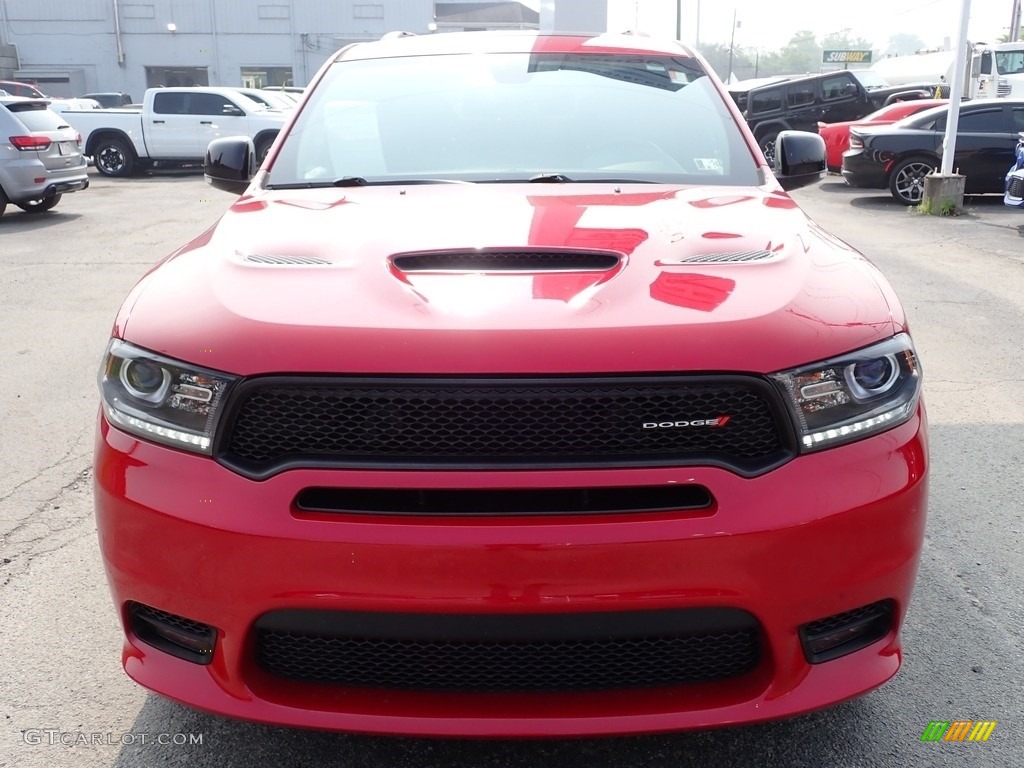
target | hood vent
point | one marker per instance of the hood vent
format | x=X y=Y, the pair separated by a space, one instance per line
x=285 y=261
x=507 y=261
x=733 y=257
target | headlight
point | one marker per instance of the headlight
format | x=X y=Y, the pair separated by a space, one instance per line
x=855 y=395
x=161 y=399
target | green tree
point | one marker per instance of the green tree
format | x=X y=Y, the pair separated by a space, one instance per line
x=842 y=41
x=743 y=60
x=800 y=55
x=903 y=44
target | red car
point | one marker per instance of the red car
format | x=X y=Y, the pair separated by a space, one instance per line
x=837 y=135
x=514 y=397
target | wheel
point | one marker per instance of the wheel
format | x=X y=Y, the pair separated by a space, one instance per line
x=38 y=206
x=906 y=182
x=113 y=157
x=3 y=202
x=767 y=145
x=262 y=148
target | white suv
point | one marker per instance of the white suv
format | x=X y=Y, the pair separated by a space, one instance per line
x=40 y=155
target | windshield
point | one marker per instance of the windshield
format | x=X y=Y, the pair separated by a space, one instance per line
x=1010 y=62
x=513 y=117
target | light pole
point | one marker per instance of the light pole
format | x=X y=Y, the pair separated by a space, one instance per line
x=1014 y=22
x=732 y=42
x=679 y=23
x=697 y=32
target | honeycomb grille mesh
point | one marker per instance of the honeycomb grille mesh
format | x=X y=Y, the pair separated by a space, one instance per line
x=547 y=665
x=155 y=615
x=832 y=623
x=1016 y=186
x=499 y=423
x=506 y=261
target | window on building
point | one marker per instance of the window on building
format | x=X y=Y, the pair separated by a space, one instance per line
x=255 y=76
x=174 y=77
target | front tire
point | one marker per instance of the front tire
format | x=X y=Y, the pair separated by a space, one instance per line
x=262 y=149
x=112 y=157
x=39 y=206
x=767 y=145
x=906 y=182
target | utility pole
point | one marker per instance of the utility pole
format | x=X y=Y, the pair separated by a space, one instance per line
x=679 y=23
x=956 y=89
x=732 y=42
x=1014 y=35
x=697 y=33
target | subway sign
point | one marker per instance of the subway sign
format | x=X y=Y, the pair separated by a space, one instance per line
x=846 y=57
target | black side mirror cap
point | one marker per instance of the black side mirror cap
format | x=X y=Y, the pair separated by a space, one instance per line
x=230 y=164
x=799 y=159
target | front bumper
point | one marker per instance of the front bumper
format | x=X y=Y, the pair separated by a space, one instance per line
x=826 y=533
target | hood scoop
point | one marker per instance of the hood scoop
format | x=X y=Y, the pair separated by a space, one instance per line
x=731 y=257
x=507 y=260
x=273 y=260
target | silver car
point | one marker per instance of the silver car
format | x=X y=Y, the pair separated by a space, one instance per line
x=40 y=156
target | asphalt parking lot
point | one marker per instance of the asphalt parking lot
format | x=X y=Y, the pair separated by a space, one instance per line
x=65 y=700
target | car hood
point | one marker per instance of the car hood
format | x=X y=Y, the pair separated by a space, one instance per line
x=705 y=279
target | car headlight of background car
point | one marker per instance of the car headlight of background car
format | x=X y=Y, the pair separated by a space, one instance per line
x=161 y=399
x=854 y=395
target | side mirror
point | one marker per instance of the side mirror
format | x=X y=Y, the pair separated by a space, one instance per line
x=230 y=110
x=230 y=164
x=799 y=159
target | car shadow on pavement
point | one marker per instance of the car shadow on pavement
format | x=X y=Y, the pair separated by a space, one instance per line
x=19 y=221
x=806 y=740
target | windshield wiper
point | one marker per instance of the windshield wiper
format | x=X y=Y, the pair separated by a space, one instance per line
x=549 y=178
x=359 y=181
x=561 y=178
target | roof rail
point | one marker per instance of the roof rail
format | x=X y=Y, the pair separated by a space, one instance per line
x=396 y=34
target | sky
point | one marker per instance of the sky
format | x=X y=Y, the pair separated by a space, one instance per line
x=769 y=24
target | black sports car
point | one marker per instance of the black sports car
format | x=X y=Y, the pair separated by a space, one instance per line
x=900 y=155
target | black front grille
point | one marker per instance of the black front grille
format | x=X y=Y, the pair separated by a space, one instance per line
x=504 y=501
x=496 y=260
x=276 y=423
x=1017 y=186
x=485 y=653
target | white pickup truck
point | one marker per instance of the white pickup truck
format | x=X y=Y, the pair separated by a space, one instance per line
x=175 y=126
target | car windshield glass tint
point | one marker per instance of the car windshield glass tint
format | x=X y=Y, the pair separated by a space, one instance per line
x=513 y=117
x=37 y=118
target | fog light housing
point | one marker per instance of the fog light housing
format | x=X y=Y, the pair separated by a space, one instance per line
x=177 y=635
x=835 y=636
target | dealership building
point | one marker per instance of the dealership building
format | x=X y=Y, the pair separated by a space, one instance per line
x=72 y=47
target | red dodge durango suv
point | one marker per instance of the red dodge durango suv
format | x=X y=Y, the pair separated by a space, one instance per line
x=514 y=396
